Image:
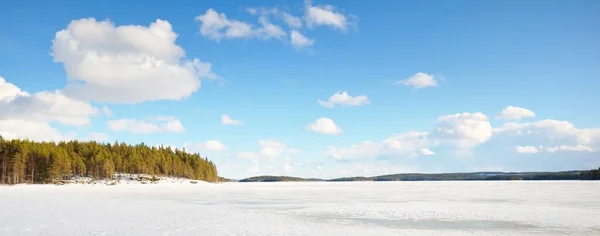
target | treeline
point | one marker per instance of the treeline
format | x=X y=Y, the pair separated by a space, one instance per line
x=24 y=161
x=268 y=178
x=481 y=176
x=590 y=175
x=476 y=176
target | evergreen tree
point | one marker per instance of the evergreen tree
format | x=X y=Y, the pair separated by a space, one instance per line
x=25 y=161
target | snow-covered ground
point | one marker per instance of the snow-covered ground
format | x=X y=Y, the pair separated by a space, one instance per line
x=352 y=208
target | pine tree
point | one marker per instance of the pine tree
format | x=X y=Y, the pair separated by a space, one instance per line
x=46 y=162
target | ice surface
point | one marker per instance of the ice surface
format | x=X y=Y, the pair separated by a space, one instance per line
x=318 y=208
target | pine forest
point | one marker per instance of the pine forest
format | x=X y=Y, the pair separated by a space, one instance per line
x=24 y=161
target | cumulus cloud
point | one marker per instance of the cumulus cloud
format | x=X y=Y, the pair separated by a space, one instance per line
x=324 y=125
x=43 y=106
x=8 y=91
x=405 y=144
x=419 y=80
x=465 y=129
x=145 y=127
x=33 y=130
x=217 y=26
x=550 y=132
x=299 y=40
x=515 y=113
x=462 y=131
x=214 y=145
x=550 y=136
x=326 y=15
x=28 y=116
x=274 y=148
x=344 y=99
x=427 y=152
x=227 y=120
x=126 y=64
x=526 y=149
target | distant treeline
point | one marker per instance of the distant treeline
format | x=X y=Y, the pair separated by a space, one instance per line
x=477 y=176
x=24 y=161
x=268 y=178
x=590 y=175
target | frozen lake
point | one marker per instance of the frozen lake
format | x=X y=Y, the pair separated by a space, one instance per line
x=351 y=208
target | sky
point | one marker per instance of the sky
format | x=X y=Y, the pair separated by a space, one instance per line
x=312 y=88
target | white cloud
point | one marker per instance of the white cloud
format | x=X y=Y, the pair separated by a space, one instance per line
x=419 y=80
x=263 y=11
x=269 y=30
x=324 y=125
x=43 y=106
x=106 y=111
x=8 y=91
x=299 y=40
x=405 y=144
x=33 y=130
x=26 y=116
x=48 y=107
x=515 y=113
x=325 y=15
x=215 y=145
x=227 y=120
x=427 y=152
x=272 y=148
x=552 y=133
x=343 y=99
x=292 y=21
x=126 y=64
x=465 y=129
x=462 y=131
x=217 y=26
x=526 y=149
x=551 y=136
x=551 y=126
x=145 y=127
x=577 y=148
x=554 y=149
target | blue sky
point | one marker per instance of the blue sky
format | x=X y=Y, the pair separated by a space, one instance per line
x=422 y=86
